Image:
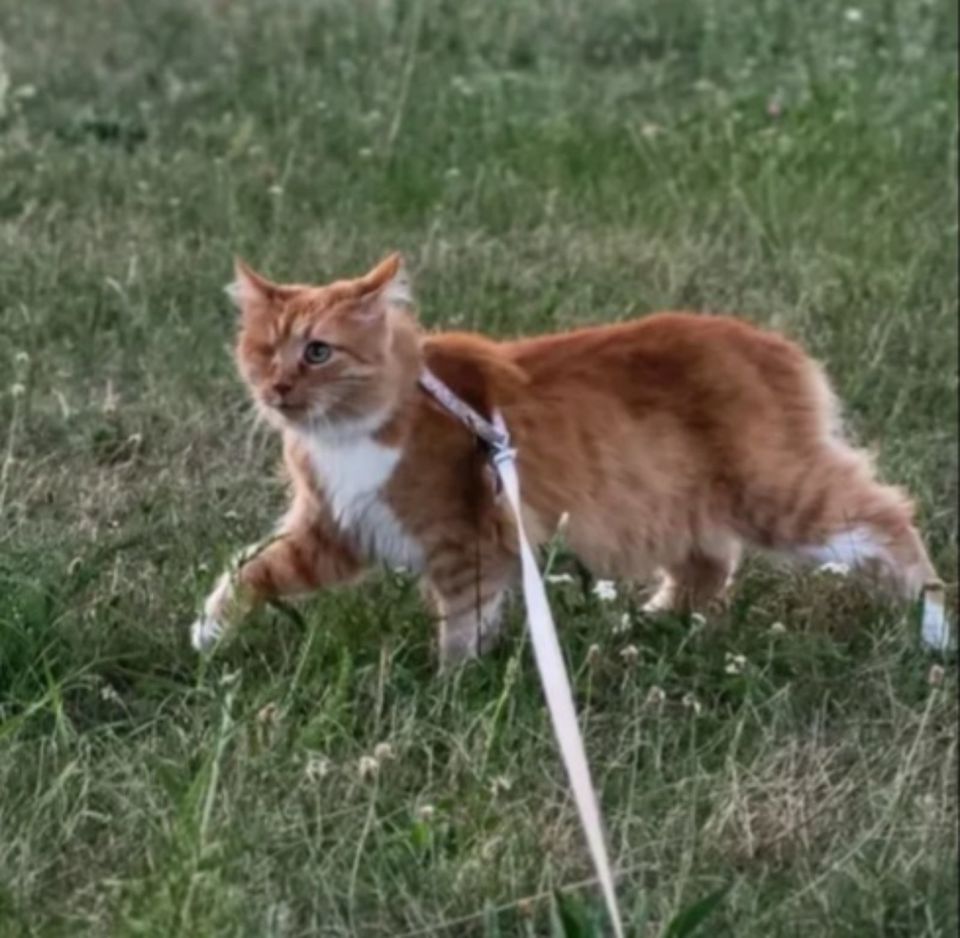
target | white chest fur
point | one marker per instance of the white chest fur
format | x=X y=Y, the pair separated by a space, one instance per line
x=352 y=473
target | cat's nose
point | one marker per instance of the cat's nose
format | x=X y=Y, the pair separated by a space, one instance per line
x=282 y=388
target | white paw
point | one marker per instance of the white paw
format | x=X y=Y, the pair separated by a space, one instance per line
x=205 y=633
x=209 y=628
x=660 y=601
x=935 y=626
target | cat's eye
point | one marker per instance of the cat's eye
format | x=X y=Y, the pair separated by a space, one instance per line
x=316 y=353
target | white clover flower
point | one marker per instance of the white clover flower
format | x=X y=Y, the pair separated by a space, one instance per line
x=605 y=590
x=500 y=785
x=22 y=358
x=109 y=693
x=655 y=696
x=778 y=628
x=593 y=654
x=936 y=675
x=275 y=190
x=690 y=702
x=462 y=86
x=426 y=813
x=382 y=752
x=317 y=768
x=268 y=714
x=834 y=568
x=629 y=654
x=624 y=625
x=853 y=15
x=698 y=620
x=367 y=767
x=735 y=663
x=17 y=389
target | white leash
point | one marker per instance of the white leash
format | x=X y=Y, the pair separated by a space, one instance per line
x=546 y=646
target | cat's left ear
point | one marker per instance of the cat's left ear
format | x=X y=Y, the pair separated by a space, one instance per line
x=388 y=284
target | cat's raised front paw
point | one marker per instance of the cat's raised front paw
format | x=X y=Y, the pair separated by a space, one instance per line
x=209 y=628
x=205 y=633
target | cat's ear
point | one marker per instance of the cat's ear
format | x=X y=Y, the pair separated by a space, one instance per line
x=388 y=284
x=250 y=291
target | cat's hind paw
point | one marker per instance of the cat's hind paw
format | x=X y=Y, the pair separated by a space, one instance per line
x=935 y=630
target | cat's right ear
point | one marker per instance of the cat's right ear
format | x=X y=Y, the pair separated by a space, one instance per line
x=251 y=292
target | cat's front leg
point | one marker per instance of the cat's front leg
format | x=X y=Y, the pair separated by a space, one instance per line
x=297 y=561
x=227 y=604
x=467 y=576
x=467 y=633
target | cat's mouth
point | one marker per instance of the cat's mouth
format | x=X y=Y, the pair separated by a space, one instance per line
x=291 y=410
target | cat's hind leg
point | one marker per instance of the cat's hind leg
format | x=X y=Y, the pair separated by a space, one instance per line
x=697 y=580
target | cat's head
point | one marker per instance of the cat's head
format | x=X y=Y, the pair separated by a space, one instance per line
x=328 y=358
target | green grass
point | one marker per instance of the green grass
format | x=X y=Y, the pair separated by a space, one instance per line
x=541 y=164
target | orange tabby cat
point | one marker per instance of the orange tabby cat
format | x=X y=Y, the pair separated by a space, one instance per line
x=670 y=441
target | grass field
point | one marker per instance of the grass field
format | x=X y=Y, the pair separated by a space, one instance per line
x=541 y=164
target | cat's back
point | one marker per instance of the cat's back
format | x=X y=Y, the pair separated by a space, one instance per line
x=669 y=357
x=664 y=336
